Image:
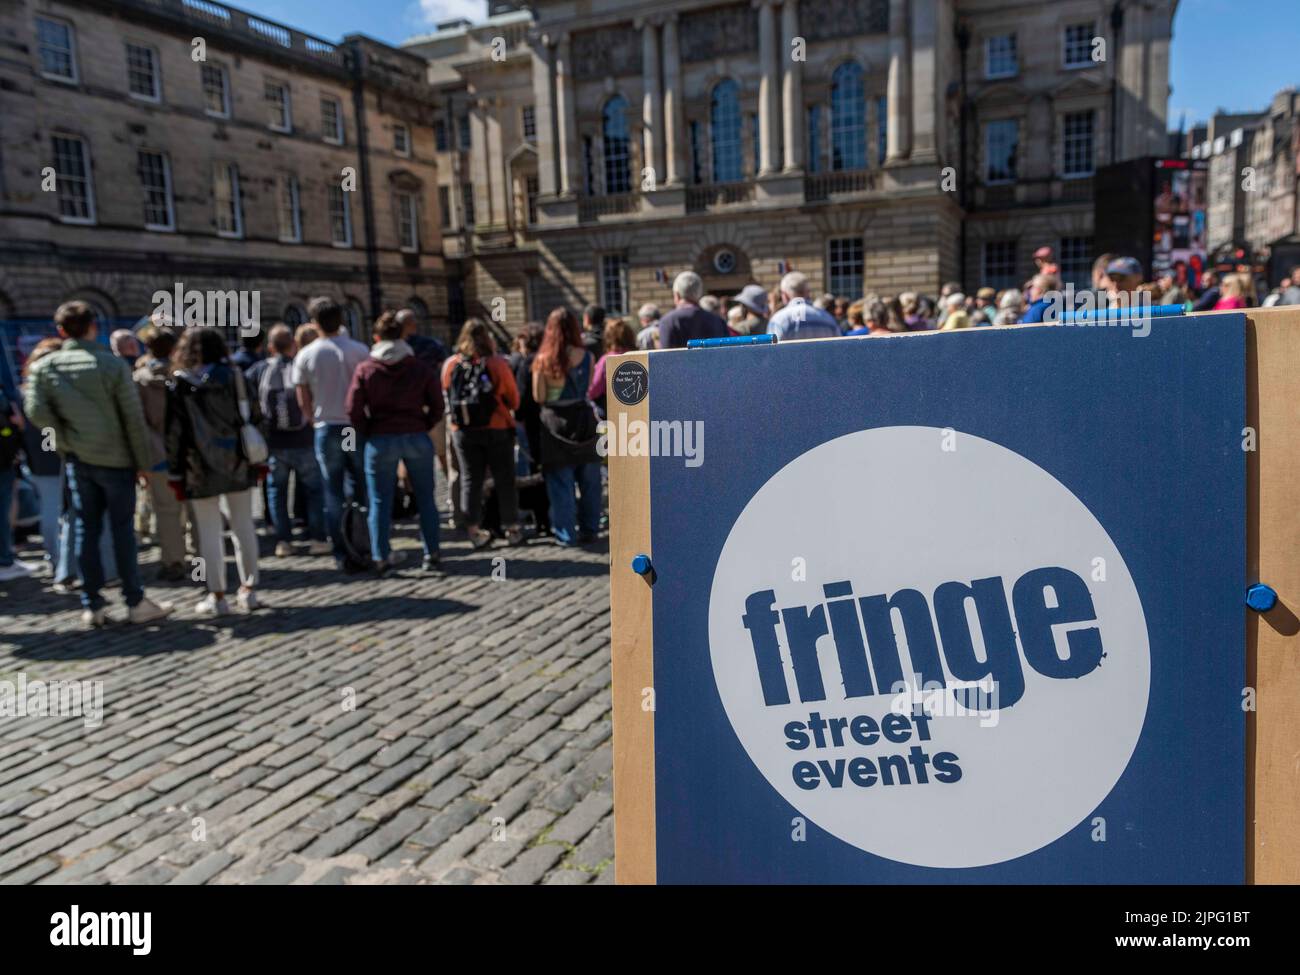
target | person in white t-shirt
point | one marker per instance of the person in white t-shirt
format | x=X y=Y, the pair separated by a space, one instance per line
x=322 y=373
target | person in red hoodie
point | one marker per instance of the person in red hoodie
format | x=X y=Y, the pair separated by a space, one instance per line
x=394 y=401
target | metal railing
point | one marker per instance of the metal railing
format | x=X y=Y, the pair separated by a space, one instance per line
x=820 y=187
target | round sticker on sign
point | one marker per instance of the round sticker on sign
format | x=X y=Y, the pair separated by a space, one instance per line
x=630 y=383
x=954 y=675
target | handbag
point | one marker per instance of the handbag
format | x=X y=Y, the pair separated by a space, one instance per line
x=571 y=421
x=250 y=438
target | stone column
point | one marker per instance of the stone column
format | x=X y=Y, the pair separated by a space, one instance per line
x=498 y=168
x=567 y=128
x=768 y=87
x=548 y=160
x=924 y=24
x=673 y=111
x=652 y=106
x=791 y=88
x=898 y=131
x=480 y=165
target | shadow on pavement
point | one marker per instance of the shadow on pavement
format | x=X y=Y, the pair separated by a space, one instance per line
x=184 y=634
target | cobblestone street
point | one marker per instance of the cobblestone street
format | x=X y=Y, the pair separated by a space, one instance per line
x=230 y=750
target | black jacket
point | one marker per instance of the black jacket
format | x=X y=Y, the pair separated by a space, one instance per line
x=202 y=432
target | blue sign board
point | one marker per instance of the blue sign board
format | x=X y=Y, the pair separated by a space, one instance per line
x=961 y=608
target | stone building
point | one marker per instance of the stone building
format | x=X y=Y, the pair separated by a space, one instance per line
x=150 y=143
x=1254 y=176
x=590 y=150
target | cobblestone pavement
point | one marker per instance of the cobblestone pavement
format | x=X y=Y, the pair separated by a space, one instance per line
x=477 y=751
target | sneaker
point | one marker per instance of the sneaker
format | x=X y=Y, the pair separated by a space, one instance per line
x=480 y=539
x=147 y=611
x=174 y=572
x=210 y=605
x=19 y=570
x=283 y=550
x=395 y=559
x=319 y=548
x=247 y=600
x=93 y=619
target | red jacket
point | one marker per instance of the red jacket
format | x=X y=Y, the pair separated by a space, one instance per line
x=393 y=393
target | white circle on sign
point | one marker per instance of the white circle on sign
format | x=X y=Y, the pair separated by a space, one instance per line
x=890 y=509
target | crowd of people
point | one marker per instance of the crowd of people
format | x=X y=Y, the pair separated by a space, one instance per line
x=169 y=435
x=791 y=311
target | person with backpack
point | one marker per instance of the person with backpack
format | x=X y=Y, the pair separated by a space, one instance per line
x=215 y=457
x=481 y=399
x=562 y=374
x=289 y=438
x=394 y=401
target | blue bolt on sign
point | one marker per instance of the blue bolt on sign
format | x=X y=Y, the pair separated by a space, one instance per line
x=954 y=609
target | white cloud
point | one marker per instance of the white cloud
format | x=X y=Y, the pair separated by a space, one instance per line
x=433 y=12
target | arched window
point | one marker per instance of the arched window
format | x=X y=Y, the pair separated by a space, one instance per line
x=724 y=131
x=848 y=118
x=618 y=175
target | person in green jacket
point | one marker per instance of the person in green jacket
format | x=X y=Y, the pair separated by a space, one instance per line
x=85 y=395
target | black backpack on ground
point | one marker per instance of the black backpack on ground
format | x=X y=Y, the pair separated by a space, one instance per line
x=356 y=538
x=470 y=397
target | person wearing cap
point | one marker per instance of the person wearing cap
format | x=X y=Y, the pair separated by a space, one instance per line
x=1039 y=287
x=1123 y=275
x=752 y=302
x=1044 y=261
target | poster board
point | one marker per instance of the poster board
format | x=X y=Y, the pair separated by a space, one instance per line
x=1068 y=425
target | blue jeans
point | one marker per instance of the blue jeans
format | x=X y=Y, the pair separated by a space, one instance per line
x=342 y=471
x=67 y=569
x=99 y=495
x=7 y=478
x=49 y=491
x=301 y=461
x=568 y=516
x=383 y=451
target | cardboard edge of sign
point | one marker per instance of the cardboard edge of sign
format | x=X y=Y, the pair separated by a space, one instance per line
x=1272 y=638
x=631 y=648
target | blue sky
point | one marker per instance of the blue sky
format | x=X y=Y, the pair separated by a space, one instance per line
x=1232 y=54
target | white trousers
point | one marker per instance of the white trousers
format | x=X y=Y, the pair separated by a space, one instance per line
x=238 y=509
